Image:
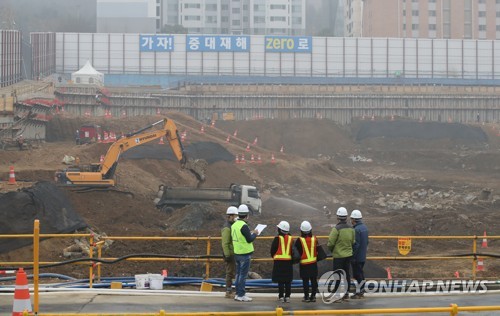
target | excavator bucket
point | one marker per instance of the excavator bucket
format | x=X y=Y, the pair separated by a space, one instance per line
x=197 y=167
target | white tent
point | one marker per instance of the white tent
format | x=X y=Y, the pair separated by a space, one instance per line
x=87 y=75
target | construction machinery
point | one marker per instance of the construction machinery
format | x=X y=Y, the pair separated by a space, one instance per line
x=102 y=174
x=169 y=198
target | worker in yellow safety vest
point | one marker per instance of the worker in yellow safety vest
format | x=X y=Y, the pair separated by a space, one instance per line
x=281 y=252
x=243 y=249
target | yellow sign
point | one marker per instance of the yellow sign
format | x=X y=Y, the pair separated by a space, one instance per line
x=404 y=246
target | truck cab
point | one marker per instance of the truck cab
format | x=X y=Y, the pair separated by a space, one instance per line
x=251 y=197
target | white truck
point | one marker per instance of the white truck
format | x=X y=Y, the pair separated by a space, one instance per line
x=170 y=198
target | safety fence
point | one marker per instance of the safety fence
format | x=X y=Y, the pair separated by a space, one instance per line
x=453 y=310
x=95 y=259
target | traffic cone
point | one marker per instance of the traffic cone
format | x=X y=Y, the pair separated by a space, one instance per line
x=252 y=159
x=242 y=160
x=228 y=138
x=235 y=133
x=255 y=141
x=22 y=300
x=457 y=275
x=282 y=149
x=389 y=275
x=480 y=265
x=272 y=158
x=158 y=112
x=202 y=130
x=248 y=147
x=212 y=125
x=183 y=138
x=236 y=160
x=106 y=137
x=161 y=142
x=99 y=140
x=259 y=159
x=101 y=159
x=485 y=241
x=12 y=176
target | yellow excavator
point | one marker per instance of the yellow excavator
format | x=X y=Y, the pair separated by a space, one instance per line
x=101 y=175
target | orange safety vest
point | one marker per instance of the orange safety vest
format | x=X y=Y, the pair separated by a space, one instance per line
x=309 y=252
x=284 y=248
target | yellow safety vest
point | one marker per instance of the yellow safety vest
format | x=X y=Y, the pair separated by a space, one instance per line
x=284 y=248
x=309 y=254
x=240 y=244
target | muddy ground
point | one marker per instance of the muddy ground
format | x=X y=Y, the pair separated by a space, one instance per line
x=405 y=179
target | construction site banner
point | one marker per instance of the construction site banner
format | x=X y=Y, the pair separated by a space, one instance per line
x=217 y=43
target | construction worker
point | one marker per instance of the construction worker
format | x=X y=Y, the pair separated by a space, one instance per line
x=281 y=252
x=359 y=252
x=227 y=249
x=308 y=249
x=340 y=243
x=77 y=137
x=20 y=142
x=243 y=249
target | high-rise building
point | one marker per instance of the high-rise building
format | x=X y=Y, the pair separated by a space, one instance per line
x=128 y=16
x=464 y=19
x=353 y=18
x=285 y=17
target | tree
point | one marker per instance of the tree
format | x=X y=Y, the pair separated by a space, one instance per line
x=174 y=29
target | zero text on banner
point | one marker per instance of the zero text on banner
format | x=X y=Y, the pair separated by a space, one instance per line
x=288 y=44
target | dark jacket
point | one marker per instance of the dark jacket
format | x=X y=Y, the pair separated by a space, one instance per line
x=308 y=270
x=282 y=269
x=361 y=245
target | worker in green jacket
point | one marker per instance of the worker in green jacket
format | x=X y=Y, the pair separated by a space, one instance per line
x=227 y=249
x=340 y=243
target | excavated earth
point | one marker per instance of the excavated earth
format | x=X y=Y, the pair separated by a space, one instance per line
x=408 y=178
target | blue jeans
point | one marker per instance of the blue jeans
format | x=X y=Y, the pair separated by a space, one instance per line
x=242 y=267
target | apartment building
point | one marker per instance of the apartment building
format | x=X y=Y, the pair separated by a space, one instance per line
x=285 y=17
x=353 y=18
x=457 y=19
x=128 y=16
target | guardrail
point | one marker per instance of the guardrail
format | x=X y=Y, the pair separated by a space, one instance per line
x=453 y=309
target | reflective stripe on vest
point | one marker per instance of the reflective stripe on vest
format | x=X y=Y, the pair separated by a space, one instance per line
x=240 y=244
x=284 y=248
x=309 y=254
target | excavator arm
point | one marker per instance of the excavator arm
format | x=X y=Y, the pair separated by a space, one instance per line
x=105 y=172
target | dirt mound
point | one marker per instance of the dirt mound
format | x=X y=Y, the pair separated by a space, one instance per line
x=409 y=135
x=209 y=151
x=305 y=137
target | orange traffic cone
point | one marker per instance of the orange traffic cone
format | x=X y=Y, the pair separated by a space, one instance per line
x=235 y=133
x=282 y=149
x=212 y=124
x=252 y=159
x=272 y=158
x=485 y=241
x=12 y=176
x=101 y=159
x=389 y=275
x=161 y=142
x=248 y=147
x=228 y=138
x=22 y=300
x=236 y=160
x=202 y=130
x=255 y=141
x=99 y=140
x=242 y=160
x=480 y=264
x=259 y=159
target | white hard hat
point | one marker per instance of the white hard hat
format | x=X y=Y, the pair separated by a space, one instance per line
x=243 y=209
x=284 y=226
x=356 y=214
x=342 y=211
x=305 y=226
x=232 y=210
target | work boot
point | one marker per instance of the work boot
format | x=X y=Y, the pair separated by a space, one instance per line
x=229 y=294
x=346 y=297
x=306 y=299
x=358 y=296
x=286 y=300
x=312 y=299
